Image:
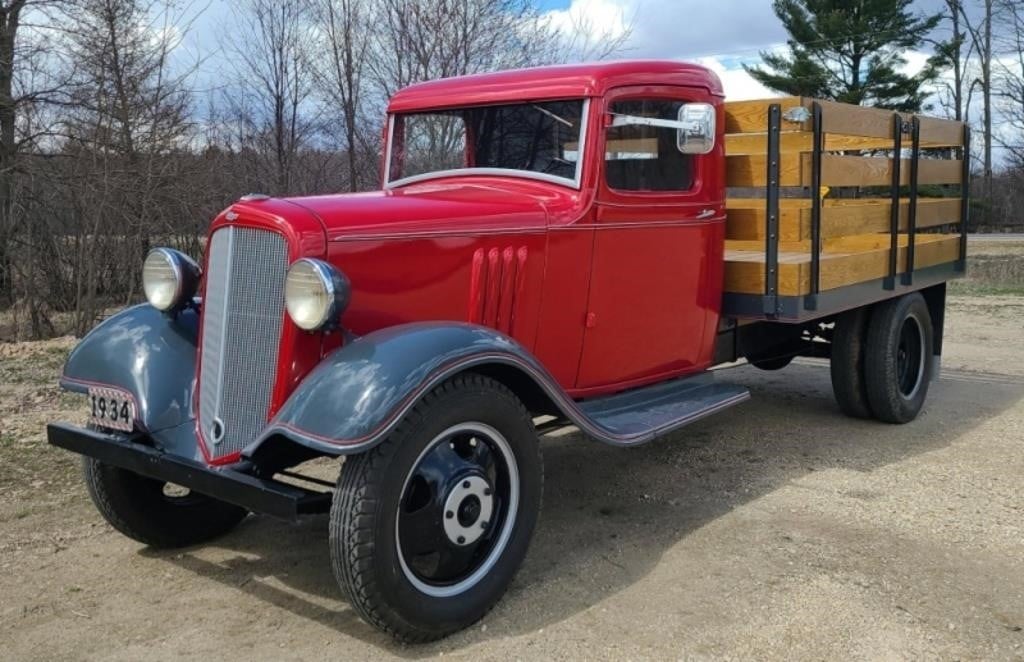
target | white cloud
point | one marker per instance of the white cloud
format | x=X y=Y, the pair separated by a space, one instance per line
x=738 y=84
x=604 y=18
x=720 y=35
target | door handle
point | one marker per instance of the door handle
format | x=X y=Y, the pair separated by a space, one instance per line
x=706 y=213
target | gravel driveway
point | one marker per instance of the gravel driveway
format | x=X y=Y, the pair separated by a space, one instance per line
x=779 y=530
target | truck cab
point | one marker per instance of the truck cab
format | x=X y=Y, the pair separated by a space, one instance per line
x=549 y=247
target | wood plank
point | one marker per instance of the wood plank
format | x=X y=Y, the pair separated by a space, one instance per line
x=737 y=144
x=747 y=222
x=850 y=120
x=745 y=217
x=751 y=170
x=803 y=141
x=940 y=133
x=744 y=269
x=841 y=170
x=752 y=116
x=872 y=215
x=869 y=265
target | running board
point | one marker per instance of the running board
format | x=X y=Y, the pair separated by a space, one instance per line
x=642 y=414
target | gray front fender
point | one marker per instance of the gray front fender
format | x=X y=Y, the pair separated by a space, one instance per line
x=144 y=352
x=357 y=394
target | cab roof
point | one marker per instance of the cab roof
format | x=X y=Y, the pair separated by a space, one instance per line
x=554 y=82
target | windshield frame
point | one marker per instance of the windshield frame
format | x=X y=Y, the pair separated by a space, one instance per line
x=575 y=182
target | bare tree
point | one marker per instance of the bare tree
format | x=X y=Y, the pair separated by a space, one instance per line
x=980 y=31
x=272 y=96
x=343 y=40
x=1009 y=80
x=102 y=150
x=955 y=54
x=27 y=89
x=128 y=121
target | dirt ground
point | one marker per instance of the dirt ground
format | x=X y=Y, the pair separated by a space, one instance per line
x=780 y=530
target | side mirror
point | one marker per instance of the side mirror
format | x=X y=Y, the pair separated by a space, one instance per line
x=697 y=135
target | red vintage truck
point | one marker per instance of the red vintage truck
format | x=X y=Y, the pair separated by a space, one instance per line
x=574 y=245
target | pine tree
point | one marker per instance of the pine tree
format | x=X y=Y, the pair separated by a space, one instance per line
x=850 y=51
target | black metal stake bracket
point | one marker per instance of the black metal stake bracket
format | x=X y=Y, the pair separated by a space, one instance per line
x=965 y=196
x=771 y=236
x=894 y=212
x=811 y=300
x=915 y=158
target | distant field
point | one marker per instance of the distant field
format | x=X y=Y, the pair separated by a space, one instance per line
x=995 y=266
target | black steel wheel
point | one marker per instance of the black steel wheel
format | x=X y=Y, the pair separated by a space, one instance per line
x=847 y=362
x=156 y=513
x=898 y=358
x=429 y=527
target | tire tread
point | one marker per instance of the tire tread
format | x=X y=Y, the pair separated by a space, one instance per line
x=352 y=515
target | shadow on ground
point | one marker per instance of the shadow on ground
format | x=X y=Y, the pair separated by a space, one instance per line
x=610 y=514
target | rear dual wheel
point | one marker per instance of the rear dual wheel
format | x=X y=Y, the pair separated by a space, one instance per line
x=429 y=527
x=898 y=361
x=882 y=359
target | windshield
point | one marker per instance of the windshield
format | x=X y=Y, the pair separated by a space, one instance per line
x=537 y=140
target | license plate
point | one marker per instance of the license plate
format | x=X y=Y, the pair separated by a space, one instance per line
x=110 y=408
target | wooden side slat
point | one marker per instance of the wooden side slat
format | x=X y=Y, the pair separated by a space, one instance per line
x=752 y=116
x=751 y=170
x=850 y=120
x=744 y=269
x=873 y=216
x=803 y=141
x=748 y=223
x=738 y=144
x=839 y=170
x=745 y=219
x=935 y=132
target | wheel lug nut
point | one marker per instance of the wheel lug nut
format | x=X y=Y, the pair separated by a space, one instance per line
x=483 y=525
x=461 y=540
x=449 y=515
x=465 y=484
x=487 y=491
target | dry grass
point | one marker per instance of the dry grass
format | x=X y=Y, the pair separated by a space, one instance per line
x=32 y=473
x=993 y=268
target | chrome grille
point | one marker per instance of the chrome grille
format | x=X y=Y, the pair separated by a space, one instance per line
x=243 y=310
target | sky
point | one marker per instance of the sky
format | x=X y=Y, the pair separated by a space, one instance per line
x=722 y=35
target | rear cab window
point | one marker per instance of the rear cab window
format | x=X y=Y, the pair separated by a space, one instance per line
x=646 y=158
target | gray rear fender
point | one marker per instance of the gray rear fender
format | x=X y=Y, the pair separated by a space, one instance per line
x=359 y=393
x=146 y=353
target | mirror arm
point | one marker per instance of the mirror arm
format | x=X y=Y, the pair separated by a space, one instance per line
x=633 y=120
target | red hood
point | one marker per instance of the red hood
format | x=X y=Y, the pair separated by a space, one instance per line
x=441 y=206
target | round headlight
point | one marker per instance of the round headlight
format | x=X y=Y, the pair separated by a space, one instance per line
x=315 y=294
x=169 y=278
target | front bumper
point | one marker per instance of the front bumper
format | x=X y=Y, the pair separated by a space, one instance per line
x=231 y=484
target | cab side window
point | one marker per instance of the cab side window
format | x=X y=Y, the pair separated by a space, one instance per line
x=645 y=158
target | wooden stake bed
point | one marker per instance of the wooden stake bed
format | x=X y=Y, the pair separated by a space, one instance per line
x=744 y=270
x=812 y=194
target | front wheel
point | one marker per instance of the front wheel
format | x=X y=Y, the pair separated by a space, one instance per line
x=429 y=527
x=156 y=513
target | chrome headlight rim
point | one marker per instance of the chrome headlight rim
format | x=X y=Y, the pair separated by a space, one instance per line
x=186 y=279
x=336 y=288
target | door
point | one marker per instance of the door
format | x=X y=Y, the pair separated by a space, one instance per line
x=657 y=216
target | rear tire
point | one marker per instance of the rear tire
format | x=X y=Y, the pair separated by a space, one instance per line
x=774 y=363
x=898 y=358
x=847 y=363
x=140 y=508
x=429 y=527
